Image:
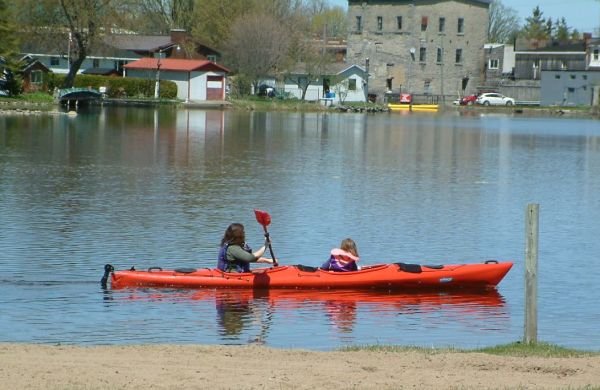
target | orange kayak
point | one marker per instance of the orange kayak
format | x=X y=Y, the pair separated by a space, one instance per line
x=381 y=276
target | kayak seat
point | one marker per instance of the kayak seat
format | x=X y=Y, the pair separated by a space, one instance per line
x=185 y=270
x=412 y=268
x=306 y=268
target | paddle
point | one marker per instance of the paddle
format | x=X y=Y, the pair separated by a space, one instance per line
x=265 y=220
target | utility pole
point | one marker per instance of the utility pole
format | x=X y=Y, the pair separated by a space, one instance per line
x=442 y=68
x=410 y=63
x=157 y=83
x=367 y=80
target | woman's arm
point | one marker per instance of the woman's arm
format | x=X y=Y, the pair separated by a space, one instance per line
x=238 y=253
x=260 y=252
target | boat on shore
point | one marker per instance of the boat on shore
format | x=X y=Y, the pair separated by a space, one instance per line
x=393 y=276
x=413 y=107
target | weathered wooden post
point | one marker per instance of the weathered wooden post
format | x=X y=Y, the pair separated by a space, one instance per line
x=531 y=267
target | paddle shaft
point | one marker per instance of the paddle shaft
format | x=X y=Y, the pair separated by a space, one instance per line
x=270 y=247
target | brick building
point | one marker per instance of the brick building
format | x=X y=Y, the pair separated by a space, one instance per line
x=425 y=47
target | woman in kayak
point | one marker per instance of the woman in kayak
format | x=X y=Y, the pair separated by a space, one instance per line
x=235 y=255
x=343 y=258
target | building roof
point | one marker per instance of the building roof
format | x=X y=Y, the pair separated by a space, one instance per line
x=177 y=65
x=133 y=42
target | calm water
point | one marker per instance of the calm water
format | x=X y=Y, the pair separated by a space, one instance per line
x=145 y=187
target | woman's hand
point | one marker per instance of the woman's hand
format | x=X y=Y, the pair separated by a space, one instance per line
x=264 y=260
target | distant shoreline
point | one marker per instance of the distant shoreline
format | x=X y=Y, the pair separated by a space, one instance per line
x=12 y=106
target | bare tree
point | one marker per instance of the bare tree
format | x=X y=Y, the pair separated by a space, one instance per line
x=159 y=16
x=503 y=23
x=257 y=47
x=78 y=24
x=84 y=19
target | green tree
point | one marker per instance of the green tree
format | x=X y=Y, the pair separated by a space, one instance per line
x=503 y=23
x=9 y=49
x=536 y=26
x=562 y=31
x=214 y=19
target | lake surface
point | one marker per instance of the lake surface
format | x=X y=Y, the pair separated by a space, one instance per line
x=144 y=187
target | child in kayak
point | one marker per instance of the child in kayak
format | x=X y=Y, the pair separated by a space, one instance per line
x=235 y=255
x=343 y=258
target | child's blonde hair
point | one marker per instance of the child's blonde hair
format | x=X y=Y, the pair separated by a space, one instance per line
x=349 y=245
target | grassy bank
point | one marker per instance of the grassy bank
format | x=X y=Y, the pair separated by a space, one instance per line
x=516 y=349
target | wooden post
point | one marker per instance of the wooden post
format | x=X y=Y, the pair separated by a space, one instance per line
x=531 y=267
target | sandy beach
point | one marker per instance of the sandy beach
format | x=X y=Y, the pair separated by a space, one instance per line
x=28 y=366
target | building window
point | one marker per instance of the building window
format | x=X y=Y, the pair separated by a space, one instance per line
x=422 y=54
x=424 y=23
x=399 y=22
x=596 y=54
x=351 y=84
x=493 y=63
x=461 y=26
x=442 y=26
x=557 y=76
x=36 y=77
x=54 y=61
x=563 y=65
x=459 y=56
x=427 y=87
x=359 y=23
x=571 y=90
x=380 y=23
x=573 y=77
x=440 y=57
x=584 y=76
x=95 y=63
x=211 y=58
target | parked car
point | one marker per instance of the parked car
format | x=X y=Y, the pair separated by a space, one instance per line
x=466 y=100
x=266 y=90
x=494 y=99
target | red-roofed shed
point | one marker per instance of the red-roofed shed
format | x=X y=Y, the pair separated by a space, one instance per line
x=196 y=79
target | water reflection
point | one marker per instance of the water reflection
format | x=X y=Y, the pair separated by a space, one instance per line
x=240 y=311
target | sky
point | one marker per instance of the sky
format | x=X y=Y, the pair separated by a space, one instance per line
x=584 y=15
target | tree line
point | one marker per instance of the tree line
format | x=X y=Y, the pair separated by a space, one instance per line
x=505 y=26
x=256 y=37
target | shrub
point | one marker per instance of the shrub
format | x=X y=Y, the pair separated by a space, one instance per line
x=118 y=87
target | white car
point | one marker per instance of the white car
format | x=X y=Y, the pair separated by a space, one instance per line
x=494 y=99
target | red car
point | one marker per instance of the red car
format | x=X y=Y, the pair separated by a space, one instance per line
x=468 y=100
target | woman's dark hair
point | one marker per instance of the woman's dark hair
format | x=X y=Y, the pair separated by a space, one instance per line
x=234 y=235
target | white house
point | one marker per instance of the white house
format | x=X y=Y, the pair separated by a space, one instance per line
x=196 y=80
x=347 y=82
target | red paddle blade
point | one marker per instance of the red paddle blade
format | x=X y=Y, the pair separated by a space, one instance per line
x=262 y=217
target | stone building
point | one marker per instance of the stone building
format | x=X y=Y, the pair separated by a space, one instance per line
x=424 y=47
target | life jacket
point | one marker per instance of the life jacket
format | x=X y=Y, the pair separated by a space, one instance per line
x=341 y=260
x=232 y=266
